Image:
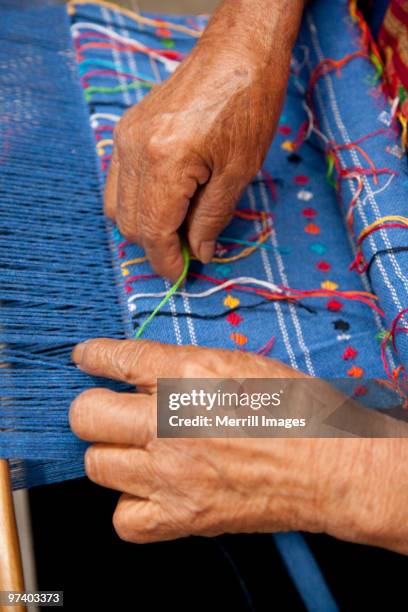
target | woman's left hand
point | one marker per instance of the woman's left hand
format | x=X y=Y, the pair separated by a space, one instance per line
x=353 y=489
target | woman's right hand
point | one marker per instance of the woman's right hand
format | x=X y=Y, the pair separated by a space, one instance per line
x=185 y=153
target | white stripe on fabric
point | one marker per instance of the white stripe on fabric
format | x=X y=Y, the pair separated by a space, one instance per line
x=340 y=124
x=281 y=268
x=269 y=276
x=378 y=320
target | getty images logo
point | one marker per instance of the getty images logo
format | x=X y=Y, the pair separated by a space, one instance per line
x=199 y=398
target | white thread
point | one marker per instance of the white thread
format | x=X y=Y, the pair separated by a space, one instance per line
x=281 y=268
x=269 y=275
x=240 y=280
x=169 y=64
x=107 y=116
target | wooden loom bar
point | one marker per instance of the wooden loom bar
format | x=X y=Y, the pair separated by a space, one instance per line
x=11 y=570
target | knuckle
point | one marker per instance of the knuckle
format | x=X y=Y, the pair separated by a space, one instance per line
x=192 y=369
x=212 y=218
x=155 y=148
x=124 y=357
x=152 y=229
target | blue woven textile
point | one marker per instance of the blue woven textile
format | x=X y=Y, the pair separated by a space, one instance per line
x=350 y=106
x=58 y=286
x=56 y=281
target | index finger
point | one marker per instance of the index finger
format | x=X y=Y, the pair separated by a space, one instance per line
x=138 y=362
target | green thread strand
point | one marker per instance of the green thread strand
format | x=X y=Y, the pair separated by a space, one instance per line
x=330 y=170
x=261 y=245
x=171 y=291
x=117 y=88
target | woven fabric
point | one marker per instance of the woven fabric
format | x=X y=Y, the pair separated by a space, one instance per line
x=327 y=336
x=58 y=287
x=350 y=106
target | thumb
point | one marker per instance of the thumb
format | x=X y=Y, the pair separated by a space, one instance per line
x=210 y=212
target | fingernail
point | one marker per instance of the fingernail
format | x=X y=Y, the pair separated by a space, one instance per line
x=78 y=352
x=206 y=251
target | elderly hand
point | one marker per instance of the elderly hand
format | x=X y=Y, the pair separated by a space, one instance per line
x=354 y=489
x=185 y=153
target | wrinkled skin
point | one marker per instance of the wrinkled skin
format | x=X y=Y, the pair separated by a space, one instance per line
x=355 y=489
x=183 y=155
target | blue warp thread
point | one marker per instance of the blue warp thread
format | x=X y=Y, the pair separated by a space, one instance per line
x=57 y=286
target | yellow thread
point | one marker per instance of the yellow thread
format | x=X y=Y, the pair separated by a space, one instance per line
x=103 y=143
x=396 y=218
x=404 y=132
x=133 y=261
x=138 y=18
x=330 y=285
x=287 y=145
x=231 y=302
x=248 y=250
x=244 y=253
x=353 y=9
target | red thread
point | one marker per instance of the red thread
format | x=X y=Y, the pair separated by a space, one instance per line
x=267 y=347
x=326 y=66
x=360 y=390
x=358 y=263
x=289 y=294
x=390 y=335
x=108 y=72
x=270 y=184
x=300 y=136
x=301 y=179
x=309 y=212
x=170 y=54
x=234 y=318
x=349 y=353
x=323 y=266
x=163 y=33
x=334 y=305
x=252 y=215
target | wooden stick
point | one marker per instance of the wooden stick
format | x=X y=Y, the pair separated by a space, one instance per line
x=11 y=570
